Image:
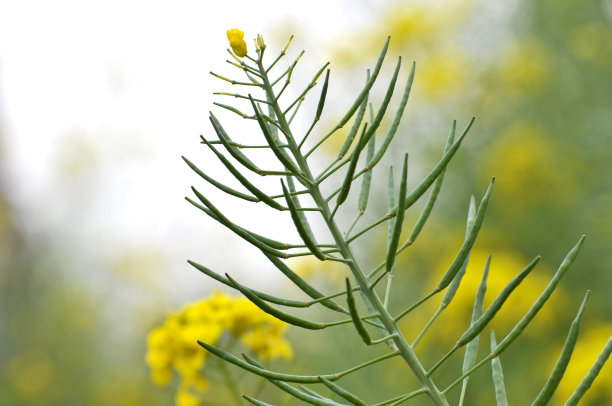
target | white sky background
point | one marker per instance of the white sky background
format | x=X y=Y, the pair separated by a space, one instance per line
x=120 y=90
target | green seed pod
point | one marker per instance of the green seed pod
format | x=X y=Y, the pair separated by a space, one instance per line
x=288 y=318
x=492 y=310
x=353 y=131
x=219 y=185
x=279 y=152
x=322 y=98
x=226 y=140
x=361 y=330
x=395 y=124
x=367 y=87
x=385 y=103
x=566 y=353
x=303 y=230
x=343 y=392
x=252 y=188
x=264 y=296
x=302 y=284
x=399 y=220
x=348 y=178
x=469 y=241
x=535 y=308
x=217 y=215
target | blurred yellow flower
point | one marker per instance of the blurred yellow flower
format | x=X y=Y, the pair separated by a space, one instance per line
x=443 y=73
x=526 y=66
x=236 y=40
x=184 y=398
x=173 y=346
x=525 y=161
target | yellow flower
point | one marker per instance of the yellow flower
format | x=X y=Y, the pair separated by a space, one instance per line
x=236 y=40
x=184 y=398
x=173 y=345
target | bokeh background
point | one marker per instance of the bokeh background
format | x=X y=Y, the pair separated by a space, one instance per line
x=98 y=101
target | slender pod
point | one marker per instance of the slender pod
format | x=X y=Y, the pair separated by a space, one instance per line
x=361 y=329
x=353 y=131
x=437 y=170
x=282 y=156
x=255 y=402
x=302 y=284
x=454 y=285
x=396 y=121
x=232 y=226
x=366 y=89
x=364 y=193
x=259 y=370
x=288 y=318
x=306 y=397
x=306 y=389
x=342 y=392
x=498 y=376
x=588 y=380
x=552 y=383
x=385 y=103
x=469 y=241
x=301 y=227
x=226 y=141
x=322 y=97
x=219 y=185
x=252 y=188
x=435 y=191
x=399 y=220
x=535 y=308
x=264 y=296
x=267 y=241
x=469 y=358
x=488 y=315
x=348 y=178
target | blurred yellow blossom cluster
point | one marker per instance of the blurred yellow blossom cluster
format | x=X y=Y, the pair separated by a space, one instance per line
x=173 y=345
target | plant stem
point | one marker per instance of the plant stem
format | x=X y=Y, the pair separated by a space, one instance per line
x=371 y=299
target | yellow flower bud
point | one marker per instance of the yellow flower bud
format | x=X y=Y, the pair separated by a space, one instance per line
x=236 y=40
